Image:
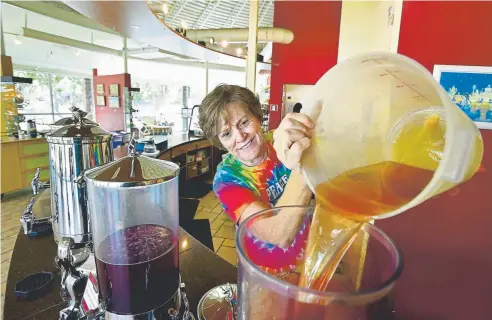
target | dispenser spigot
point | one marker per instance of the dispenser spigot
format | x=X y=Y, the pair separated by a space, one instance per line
x=36 y=184
x=27 y=218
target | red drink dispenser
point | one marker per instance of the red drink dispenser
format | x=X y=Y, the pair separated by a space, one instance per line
x=133 y=206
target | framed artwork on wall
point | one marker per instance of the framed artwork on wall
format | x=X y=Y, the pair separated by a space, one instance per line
x=100 y=101
x=114 y=102
x=114 y=90
x=470 y=87
x=100 y=88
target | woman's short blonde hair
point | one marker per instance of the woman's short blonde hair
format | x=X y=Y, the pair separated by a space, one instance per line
x=213 y=109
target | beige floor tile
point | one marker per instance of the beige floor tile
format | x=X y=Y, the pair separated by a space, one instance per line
x=217 y=224
x=217 y=243
x=9 y=233
x=229 y=223
x=5 y=266
x=6 y=256
x=218 y=208
x=227 y=232
x=208 y=204
x=4 y=286
x=224 y=216
x=229 y=243
x=8 y=243
x=228 y=254
x=9 y=224
x=206 y=215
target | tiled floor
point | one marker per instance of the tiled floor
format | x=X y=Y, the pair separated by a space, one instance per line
x=12 y=206
x=223 y=229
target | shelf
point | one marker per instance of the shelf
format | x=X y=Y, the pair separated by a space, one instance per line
x=195 y=162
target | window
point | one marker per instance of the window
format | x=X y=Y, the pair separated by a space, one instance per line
x=50 y=96
x=161 y=103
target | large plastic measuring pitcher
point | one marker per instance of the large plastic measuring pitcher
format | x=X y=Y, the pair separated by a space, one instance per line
x=379 y=107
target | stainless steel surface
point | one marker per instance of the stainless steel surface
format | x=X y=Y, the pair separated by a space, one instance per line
x=36 y=184
x=27 y=218
x=72 y=150
x=217 y=301
x=75 y=257
x=169 y=311
x=132 y=171
x=33 y=214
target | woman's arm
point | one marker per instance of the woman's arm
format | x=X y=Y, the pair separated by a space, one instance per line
x=291 y=138
x=282 y=228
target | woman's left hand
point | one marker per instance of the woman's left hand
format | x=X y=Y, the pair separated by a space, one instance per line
x=292 y=137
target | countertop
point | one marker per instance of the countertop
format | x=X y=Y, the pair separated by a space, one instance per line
x=201 y=269
x=173 y=141
x=12 y=139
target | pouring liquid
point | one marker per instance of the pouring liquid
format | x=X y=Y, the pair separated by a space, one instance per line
x=352 y=198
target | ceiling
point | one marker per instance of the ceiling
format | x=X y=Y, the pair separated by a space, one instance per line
x=215 y=14
x=59 y=19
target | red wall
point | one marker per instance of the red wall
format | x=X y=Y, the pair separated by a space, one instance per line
x=451 y=32
x=314 y=50
x=446 y=242
x=111 y=119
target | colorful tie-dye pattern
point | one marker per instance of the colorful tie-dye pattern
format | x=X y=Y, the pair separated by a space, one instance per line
x=236 y=185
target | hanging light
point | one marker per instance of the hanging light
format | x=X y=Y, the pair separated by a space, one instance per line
x=239 y=51
x=165 y=8
x=183 y=24
x=224 y=43
x=17 y=41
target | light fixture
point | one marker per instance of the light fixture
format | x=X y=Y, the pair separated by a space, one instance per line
x=239 y=51
x=135 y=26
x=224 y=44
x=211 y=40
x=183 y=24
x=17 y=41
x=165 y=8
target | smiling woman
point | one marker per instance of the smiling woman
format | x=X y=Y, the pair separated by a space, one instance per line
x=258 y=173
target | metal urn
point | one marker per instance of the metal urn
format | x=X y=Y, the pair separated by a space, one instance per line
x=73 y=148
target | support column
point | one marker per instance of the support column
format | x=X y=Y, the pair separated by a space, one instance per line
x=206 y=77
x=125 y=56
x=252 y=45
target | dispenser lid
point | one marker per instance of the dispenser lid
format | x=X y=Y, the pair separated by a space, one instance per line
x=133 y=170
x=78 y=129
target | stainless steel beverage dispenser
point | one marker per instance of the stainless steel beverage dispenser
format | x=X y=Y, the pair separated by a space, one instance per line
x=133 y=204
x=74 y=147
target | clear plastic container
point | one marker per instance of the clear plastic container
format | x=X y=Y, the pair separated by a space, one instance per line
x=360 y=289
x=133 y=205
x=369 y=101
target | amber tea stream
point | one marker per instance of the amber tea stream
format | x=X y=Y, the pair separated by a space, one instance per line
x=352 y=198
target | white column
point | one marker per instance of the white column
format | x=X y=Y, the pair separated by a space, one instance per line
x=2 y=43
x=125 y=56
x=206 y=77
x=252 y=45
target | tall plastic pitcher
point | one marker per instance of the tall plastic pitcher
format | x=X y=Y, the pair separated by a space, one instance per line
x=371 y=102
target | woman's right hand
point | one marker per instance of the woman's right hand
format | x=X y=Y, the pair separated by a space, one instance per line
x=293 y=136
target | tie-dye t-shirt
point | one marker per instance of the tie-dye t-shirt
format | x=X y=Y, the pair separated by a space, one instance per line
x=236 y=184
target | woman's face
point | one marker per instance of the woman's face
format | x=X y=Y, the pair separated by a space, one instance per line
x=241 y=135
